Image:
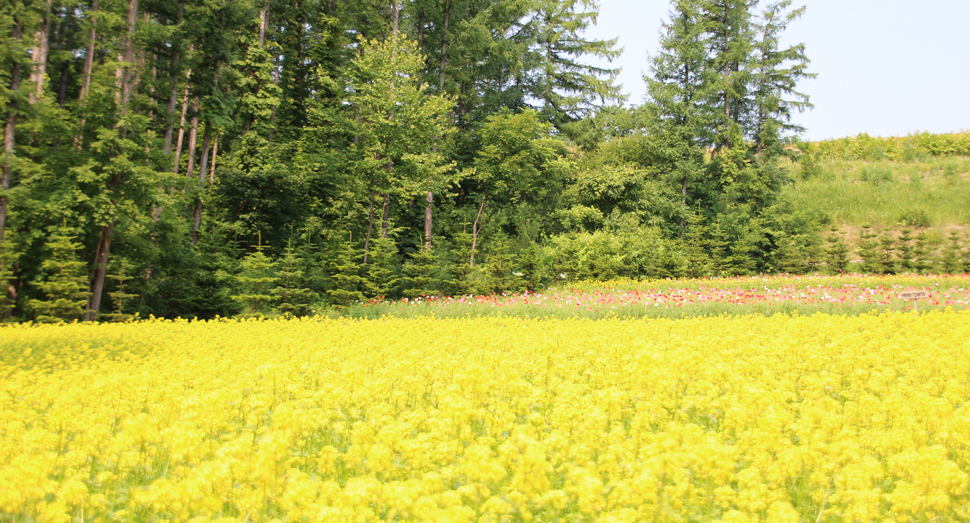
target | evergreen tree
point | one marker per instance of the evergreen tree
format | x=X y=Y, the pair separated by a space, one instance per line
x=922 y=256
x=868 y=250
x=568 y=88
x=459 y=271
x=904 y=251
x=952 y=256
x=837 y=252
x=677 y=88
x=255 y=283
x=496 y=275
x=64 y=284
x=698 y=261
x=291 y=295
x=730 y=37
x=118 y=297
x=420 y=274
x=886 y=254
x=345 y=276
x=775 y=74
x=381 y=278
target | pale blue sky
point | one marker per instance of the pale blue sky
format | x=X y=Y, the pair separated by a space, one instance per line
x=885 y=67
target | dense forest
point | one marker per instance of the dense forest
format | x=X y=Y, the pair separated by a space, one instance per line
x=220 y=157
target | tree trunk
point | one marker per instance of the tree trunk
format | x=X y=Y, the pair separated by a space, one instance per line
x=263 y=25
x=370 y=223
x=428 y=211
x=101 y=268
x=193 y=138
x=129 y=68
x=397 y=11
x=444 y=50
x=70 y=29
x=104 y=248
x=172 y=103
x=89 y=54
x=9 y=131
x=39 y=55
x=212 y=168
x=203 y=166
x=476 y=229
x=683 y=202
x=385 y=215
x=272 y=116
x=427 y=221
x=181 y=134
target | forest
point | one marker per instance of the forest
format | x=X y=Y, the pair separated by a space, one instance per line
x=206 y=158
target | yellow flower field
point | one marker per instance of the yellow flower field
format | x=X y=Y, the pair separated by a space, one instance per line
x=740 y=419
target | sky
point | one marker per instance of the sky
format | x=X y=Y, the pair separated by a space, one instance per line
x=885 y=67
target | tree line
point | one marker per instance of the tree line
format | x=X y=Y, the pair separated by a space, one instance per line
x=211 y=157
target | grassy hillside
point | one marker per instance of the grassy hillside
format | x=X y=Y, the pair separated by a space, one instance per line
x=889 y=183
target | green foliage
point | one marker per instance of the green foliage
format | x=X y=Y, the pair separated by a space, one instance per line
x=345 y=275
x=255 y=283
x=837 y=252
x=121 y=275
x=292 y=295
x=64 y=284
x=420 y=274
x=381 y=278
x=952 y=259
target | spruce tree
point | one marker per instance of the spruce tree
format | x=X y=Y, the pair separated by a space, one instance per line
x=255 y=283
x=952 y=256
x=837 y=252
x=64 y=283
x=868 y=250
x=291 y=295
x=459 y=271
x=698 y=262
x=345 y=276
x=677 y=87
x=922 y=257
x=568 y=88
x=904 y=251
x=419 y=274
x=122 y=273
x=775 y=73
x=381 y=278
x=886 y=253
x=791 y=255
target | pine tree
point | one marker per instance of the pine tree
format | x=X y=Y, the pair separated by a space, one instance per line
x=791 y=256
x=381 y=278
x=255 y=283
x=717 y=246
x=868 y=250
x=885 y=254
x=952 y=256
x=121 y=275
x=904 y=251
x=568 y=88
x=496 y=276
x=730 y=38
x=677 y=87
x=530 y=267
x=420 y=274
x=65 y=285
x=922 y=255
x=698 y=262
x=775 y=74
x=345 y=276
x=837 y=252
x=291 y=295
x=457 y=283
